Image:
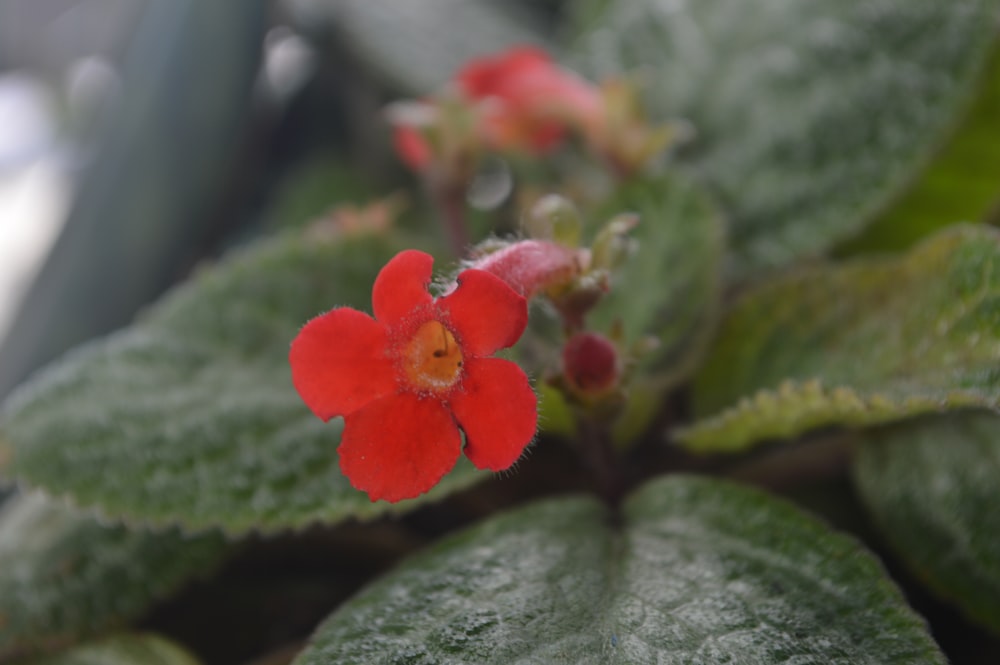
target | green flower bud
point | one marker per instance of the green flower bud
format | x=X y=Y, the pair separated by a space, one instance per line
x=555 y=218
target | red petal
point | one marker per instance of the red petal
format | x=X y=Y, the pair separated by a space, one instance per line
x=399 y=447
x=498 y=411
x=484 y=312
x=490 y=76
x=339 y=362
x=401 y=286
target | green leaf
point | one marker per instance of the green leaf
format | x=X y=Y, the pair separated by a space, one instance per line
x=64 y=576
x=305 y=194
x=811 y=116
x=958 y=186
x=933 y=487
x=698 y=571
x=162 y=169
x=864 y=343
x=669 y=288
x=404 y=43
x=190 y=416
x=125 y=649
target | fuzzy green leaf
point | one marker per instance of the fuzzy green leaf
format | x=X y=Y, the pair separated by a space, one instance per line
x=125 y=649
x=698 y=571
x=403 y=41
x=933 y=486
x=959 y=184
x=64 y=576
x=190 y=416
x=859 y=344
x=811 y=116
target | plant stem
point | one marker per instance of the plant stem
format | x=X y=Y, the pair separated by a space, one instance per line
x=449 y=198
x=600 y=455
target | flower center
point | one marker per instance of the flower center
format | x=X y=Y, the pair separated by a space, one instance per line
x=432 y=359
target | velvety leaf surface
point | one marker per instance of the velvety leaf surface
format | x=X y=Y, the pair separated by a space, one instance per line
x=811 y=116
x=64 y=576
x=404 y=42
x=669 y=287
x=126 y=649
x=190 y=416
x=863 y=343
x=933 y=487
x=959 y=184
x=698 y=571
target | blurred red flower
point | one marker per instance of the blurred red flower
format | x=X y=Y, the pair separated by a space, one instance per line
x=529 y=101
x=408 y=379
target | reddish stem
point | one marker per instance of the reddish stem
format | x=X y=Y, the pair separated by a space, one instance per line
x=449 y=198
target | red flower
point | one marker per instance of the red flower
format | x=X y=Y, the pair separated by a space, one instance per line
x=408 y=379
x=533 y=99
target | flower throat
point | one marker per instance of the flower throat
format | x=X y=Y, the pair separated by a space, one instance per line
x=432 y=359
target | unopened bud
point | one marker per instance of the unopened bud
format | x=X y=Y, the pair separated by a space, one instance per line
x=590 y=363
x=533 y=266
x=554 y=217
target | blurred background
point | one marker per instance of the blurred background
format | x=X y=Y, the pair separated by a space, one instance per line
x=139 y=138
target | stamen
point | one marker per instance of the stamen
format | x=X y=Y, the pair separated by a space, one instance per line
x=432 y=359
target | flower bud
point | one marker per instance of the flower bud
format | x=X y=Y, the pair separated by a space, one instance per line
x=533 y=266
x=590 y=363
x=554 y=217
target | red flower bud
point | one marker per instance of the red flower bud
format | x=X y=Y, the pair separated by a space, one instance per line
x=590 y=363
x=533 y=266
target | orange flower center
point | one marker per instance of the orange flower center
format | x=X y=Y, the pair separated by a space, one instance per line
x=432 y=359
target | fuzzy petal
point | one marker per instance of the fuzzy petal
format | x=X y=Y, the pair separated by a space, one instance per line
x=498 y=411
x=399 y=447
x=401 y=286
x=484 y=312
x=339 y=362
